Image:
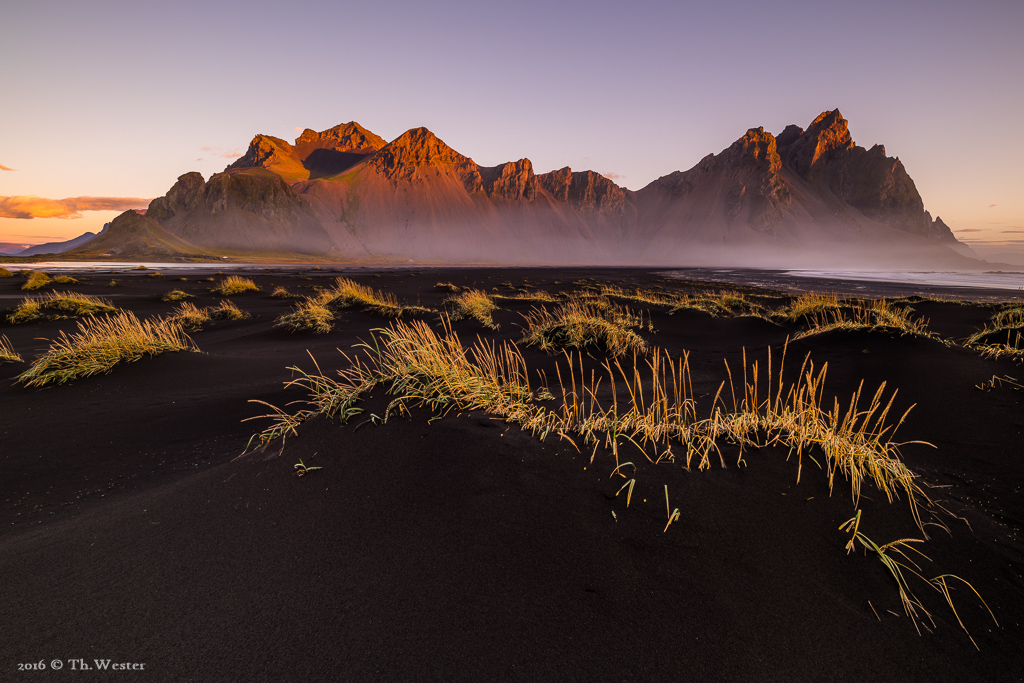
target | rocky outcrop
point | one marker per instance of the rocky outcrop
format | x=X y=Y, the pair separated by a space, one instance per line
x=264 y=151
x=825 y=141
x=184 y=196
x=878 y=186
x=746 y=180
x=314 y=154
x=585 y=191
x=511 y=181
x=418 y=154
x=346 y=137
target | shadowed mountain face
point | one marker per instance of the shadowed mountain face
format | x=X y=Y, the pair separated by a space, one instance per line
x=807 y=197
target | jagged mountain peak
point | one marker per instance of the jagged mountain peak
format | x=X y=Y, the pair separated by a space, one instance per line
x=826 y=138
x=417 y=149
x=758 y=148
x=345 y=137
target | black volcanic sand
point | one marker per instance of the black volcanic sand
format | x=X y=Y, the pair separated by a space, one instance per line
x=464 y=548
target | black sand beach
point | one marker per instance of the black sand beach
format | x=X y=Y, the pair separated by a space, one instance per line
x=464 y=548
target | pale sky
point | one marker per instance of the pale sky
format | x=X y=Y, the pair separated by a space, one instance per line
x=116 y=99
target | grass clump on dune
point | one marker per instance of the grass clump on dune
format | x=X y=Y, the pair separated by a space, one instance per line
x=639 y=295
x=1013 y=347
x=473 y=303
x=189 y=316
x=538 y=295
x=192 y=318
x=1003 y=334
x=717 y=303
x=65 y=280
x=7 y=352
x=652 y=407
x=234 y=284
x=347 y=292
x=37 y=279
x=579 y=323
x=102 y=343
x=871 y=315
x=810 y=304
x=57 y=305
x=6 y=273
x=175 y=295
x=226 y=310
x=280 y=293
x=310 y=315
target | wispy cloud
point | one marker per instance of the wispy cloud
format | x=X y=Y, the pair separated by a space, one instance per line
x=614 y=177
x=991 y=205
x=4 y=168
x=30 y=206
x=219 y=152
x=971 y=230
x=995 y=243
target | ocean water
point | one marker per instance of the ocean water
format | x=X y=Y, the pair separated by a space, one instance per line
x=989 y=279
x=972 y=285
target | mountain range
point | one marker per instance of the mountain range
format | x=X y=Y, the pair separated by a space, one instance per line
x=806 y=197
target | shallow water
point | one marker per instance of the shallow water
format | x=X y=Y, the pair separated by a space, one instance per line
x=976 y=286
x=979 y=279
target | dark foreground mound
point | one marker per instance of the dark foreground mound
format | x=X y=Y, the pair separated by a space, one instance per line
x=463 y=548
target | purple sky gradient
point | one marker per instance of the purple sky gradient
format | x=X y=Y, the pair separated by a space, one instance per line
x=116 y=99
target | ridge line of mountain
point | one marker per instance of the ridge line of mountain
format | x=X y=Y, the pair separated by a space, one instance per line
x=345 y=192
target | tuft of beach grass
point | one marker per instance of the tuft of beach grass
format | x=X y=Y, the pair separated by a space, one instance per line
x=175 y=295
x=37 y=279
x=57 y=305
x=100 y=344
x=7 y=352
x=473 y=303
x=235 y=284
x=580 y=323
x=312 y=314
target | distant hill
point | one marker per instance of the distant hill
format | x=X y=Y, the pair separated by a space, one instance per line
x=806 y=197
x=57 y=247
x=133 y=234
x=11 y=248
